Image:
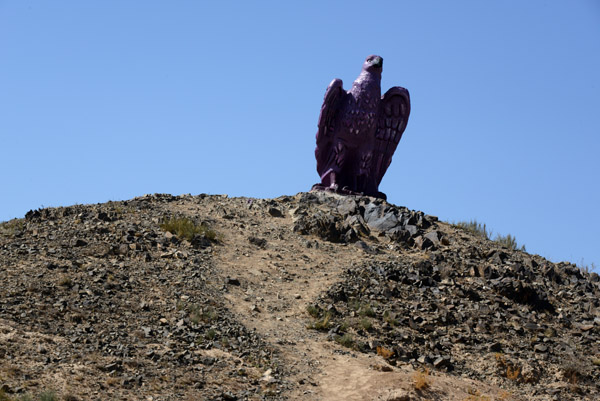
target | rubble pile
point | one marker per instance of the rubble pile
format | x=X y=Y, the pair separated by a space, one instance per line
x=106 y=281
x=262 y=296
x=458 y=303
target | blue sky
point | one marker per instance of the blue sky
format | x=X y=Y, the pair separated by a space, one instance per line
x=108 y=100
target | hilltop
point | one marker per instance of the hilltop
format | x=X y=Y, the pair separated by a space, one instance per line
x=315 y=296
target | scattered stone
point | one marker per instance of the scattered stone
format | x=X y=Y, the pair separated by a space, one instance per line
x=259 y=242
x=80 y=242
x=149 y=304
x=363 y=246
x=232 y=281
x=422 y=242
x=399 y=397
x=443 y=362
x=495 y=347
x=433 y=236
x=273 y=211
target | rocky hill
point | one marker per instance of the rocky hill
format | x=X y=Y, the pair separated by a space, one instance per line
x=308 y=297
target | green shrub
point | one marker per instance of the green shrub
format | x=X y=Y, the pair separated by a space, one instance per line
x=390 y=318
x=509 y=242
x=197 y=314
x=474 y=227
x=366 y=324
x=12 y=227
x=210 y=334
x=480 y=230
x=323 y=324
x=186 y=228
x=346 y=340
x=366 y=310
x=313 y=310
x=48 y=396
x=344 y=326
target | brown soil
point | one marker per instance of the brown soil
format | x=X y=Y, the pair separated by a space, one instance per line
x=97 y=304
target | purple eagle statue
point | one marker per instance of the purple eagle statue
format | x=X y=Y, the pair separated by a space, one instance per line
x=359 y=131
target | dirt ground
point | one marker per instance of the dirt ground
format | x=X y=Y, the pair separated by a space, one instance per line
x=102 y=302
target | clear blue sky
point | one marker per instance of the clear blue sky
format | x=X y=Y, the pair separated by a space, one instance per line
x=108 y=100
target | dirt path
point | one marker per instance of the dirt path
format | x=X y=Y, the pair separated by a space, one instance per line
x=278 y=279
x=276 y=285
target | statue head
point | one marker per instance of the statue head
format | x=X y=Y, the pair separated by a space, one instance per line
x=373 y=63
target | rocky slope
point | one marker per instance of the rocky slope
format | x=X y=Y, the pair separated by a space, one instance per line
x=313 y=296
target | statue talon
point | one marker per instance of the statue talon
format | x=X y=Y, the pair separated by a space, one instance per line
x=359 y=131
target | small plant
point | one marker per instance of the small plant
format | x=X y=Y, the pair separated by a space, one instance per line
x=504 y=395
x=365 y=324
x=480 y=230
x=509 y=242
x=474 y=227
x=313 y=310
x=210 y=334
x=3 y=396
x=48 y=395
x=475 y=395
x=421 y=379
x=585 y=268
x=186 y=228
x=366 y=310
x=346 y=340
x=65 y=281
x=322 y=324
x=384 y=352
x=571 y=372
x=390 y=318
x=12 y=227
x=198 y=314
x=344 y=326
x=354 y=304
x=511 y=371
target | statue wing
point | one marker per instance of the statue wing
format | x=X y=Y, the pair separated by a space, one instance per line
x=327 y=123
x=394 y=110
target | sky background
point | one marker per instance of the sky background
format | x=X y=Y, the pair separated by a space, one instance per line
x=108 y=100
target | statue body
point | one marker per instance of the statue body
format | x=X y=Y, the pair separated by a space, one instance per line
x=359 y=131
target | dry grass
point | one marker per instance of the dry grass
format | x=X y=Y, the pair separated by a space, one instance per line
x=422 y=379
x=475 y=395
x=323 y=324
x=186 y=228
x=313 y=310
x=480 y=230
x=384 y=352
x=511 y=371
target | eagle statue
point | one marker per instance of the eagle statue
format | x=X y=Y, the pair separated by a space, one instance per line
x=359 y=131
